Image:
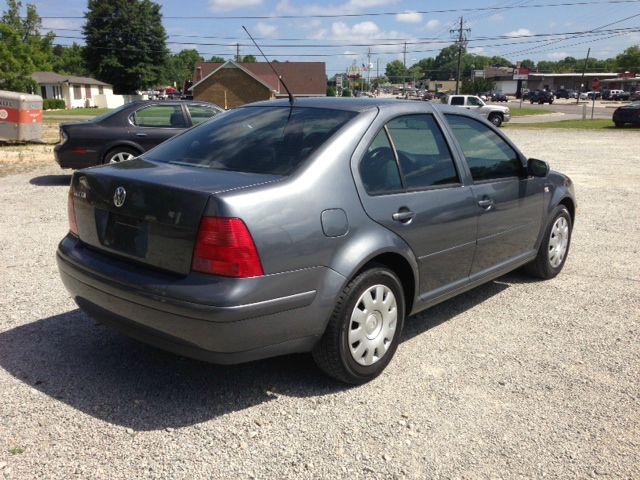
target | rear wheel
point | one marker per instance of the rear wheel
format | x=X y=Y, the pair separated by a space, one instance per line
x=120 y=154
x=618 y=124
x=364 y=330
x=554 y=247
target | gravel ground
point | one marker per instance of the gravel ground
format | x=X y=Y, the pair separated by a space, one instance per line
x=515 y=379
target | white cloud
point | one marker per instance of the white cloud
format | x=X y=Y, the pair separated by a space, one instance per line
x=368 y=32
x=56 y=23
x=222 y=5
x=496 y=18
x=433 y=24
x=266 y=30
x=351 y=6
x=521 y=32
x=476 y=50
x=409 y=17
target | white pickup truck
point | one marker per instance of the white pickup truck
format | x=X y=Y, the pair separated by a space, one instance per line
x=496 y=114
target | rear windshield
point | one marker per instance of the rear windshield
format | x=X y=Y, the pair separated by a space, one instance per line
x=268 y=140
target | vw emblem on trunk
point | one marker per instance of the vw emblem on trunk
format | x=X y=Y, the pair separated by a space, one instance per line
x=119 y=196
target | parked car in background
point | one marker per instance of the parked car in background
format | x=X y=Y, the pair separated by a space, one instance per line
x=313 y=227
x=627 y=115
x=499 y=97
x=541 y=96
x=633 y=96
x=127 y=131
x=566 y=93
x=593 y=95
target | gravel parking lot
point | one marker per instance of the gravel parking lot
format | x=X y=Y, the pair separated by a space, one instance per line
x=515 y=379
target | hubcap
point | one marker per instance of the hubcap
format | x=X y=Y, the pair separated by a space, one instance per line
x=558 y=241
x=373 y=325
x=121 y=157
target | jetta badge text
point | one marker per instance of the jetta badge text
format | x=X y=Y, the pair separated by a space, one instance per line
x=119 y=196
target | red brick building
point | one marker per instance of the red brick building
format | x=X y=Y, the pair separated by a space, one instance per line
x=232 y=84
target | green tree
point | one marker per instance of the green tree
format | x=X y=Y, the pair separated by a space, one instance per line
x=70 y=60
x=216 y=59
x=446 y=62
x=476 y=86
x=629 y=60
x=331 y=92
x=249 y=59
x=396 y=71
x=23 y=49
x=180 y=67
x=125 y=43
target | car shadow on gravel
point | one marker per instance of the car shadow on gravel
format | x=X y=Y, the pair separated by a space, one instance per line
x=51 y=180
x=101 y=373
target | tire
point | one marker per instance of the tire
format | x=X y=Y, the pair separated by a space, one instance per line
x=618 y=124
x=358 y=355
x=531 y=102
x=119 y=154
x=554 y=248
x=496 y=119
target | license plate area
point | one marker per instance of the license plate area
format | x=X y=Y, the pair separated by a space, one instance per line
x=122 y=233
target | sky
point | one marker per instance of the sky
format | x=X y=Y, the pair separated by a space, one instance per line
x=373 y=32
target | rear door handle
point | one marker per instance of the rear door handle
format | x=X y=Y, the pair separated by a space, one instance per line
x=139 y=134
x=403 y=216
x=485 y=203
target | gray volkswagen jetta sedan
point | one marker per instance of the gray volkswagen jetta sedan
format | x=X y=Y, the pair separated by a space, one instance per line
x=312 y=227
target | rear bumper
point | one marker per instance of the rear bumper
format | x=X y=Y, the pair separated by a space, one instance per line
x=281 y=313
x=68 y=157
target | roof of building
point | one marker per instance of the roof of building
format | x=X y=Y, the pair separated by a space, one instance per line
x=302 y=78
x=52 y=77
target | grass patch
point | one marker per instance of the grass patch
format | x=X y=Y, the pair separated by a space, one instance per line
x=76 y=111
x=525 y=112
x=16 y=450
x=596 y=124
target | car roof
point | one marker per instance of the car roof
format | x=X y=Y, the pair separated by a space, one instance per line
x=362 y=104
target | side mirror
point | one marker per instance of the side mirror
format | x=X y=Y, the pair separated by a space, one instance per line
x=537 y=168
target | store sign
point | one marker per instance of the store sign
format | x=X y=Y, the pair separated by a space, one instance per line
x=521 y=74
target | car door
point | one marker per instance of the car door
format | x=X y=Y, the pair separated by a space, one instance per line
x=412 y=186
x=155 y=123
x=510 y=203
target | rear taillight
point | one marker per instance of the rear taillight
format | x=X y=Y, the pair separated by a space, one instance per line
x=71 y=213
x=225 y=247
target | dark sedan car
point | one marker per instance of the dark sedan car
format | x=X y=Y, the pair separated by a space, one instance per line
x=499 y=97
x=127 y=131
x=313 y=227
x=627 y=115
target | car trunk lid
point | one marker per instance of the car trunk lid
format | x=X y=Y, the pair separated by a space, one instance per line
x=149 y=212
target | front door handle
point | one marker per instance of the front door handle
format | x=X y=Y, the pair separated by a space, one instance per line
x=139 y=134
x=485 y=203
x=403 y=215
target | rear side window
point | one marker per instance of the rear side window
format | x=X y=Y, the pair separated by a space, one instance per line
x=378 y=168
x=163 y=116
x=457 y=101
x=200 y=113
x=423 y=154
x=489 y=156
x=267 y=140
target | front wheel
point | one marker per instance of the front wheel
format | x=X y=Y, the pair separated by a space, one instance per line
x=495 y=119
x=554 y=247
x=365 y=327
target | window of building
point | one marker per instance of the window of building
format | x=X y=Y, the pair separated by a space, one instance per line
x=77 y=92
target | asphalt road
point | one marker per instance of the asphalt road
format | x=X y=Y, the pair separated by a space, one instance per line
x=514 y=379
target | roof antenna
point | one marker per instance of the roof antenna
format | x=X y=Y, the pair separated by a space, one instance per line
x=291 y=99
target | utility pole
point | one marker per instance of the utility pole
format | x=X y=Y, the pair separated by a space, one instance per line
x=238 y=52
x=404 y=62
x=369 y=69
x=461 y=41
x=584 y=69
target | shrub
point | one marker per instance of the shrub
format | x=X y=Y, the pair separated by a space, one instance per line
x=53 y=104
x=331 y=92
x=346 y=92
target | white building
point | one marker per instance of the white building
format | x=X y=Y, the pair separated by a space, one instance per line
x=76 y=91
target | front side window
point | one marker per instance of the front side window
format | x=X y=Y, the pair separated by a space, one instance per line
x=267 y=140
x=423 y=154
x=378 y=168
x=474 y=102
x=488 y=155
x=200 y=113
x=160 y=116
